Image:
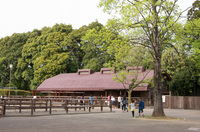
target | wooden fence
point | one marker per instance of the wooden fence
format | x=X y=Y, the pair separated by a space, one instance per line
x=146 y=100
x=182 y=102
x=185 y=102
x=52 y=103
x=48 y=104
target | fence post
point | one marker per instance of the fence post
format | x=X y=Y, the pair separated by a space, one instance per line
x=4 y=107
x=31 y=107
x=110 y=106
x=89 y=105
x=89 y=108
x=101 y=105
x=66 y=105
x=50 y=106
x=20 y=105
x=46 y=104
x=170 y=99
x=34 y=104
x=185 y=102
x=84 y=104
x=75 y=105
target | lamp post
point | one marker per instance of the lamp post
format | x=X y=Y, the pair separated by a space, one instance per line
x=10 y=79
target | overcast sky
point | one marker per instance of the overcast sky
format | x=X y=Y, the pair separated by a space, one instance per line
x=18 y=16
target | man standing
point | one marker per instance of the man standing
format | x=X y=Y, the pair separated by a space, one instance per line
x=141 y=107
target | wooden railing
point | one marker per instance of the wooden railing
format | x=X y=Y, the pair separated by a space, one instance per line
x=147 y=101
x=48 y=104
x=1 y=110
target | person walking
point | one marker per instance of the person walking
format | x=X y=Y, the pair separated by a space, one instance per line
x=141 y=107
x=91 y=98
x=124 y=103
x=132 y=107
x=109 y=98
x=113 y=101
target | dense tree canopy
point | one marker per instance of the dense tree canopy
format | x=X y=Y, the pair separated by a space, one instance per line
x=44 y=53
x=186 y=77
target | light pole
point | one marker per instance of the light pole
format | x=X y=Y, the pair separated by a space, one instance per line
x=10 y=79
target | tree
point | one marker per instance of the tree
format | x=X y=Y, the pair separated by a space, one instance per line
x=72 y=44
x=155 y=20
x=95 y=45
x=135 y=77
x=194 y=12
x=173 y=61
x=51 y=51
x=185 y=82
x=43 y=55
x=187 y=79
x=11 y=51
x=3 y=62
x=107 y=42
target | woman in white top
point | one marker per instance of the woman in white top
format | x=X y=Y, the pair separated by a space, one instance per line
x=119 y=101
x=132 y=107
x=113 y=100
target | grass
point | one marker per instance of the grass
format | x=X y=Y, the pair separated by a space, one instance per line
x=159 y=118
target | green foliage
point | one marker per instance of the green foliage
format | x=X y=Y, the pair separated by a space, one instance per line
x=94 y=45
x=173 y=61
x=14 y=92
x=194 y=12
x=183 y=66
x=41 y=54
x=192 y=39
x=72 y=45
x=11 y=48
x=185 y=83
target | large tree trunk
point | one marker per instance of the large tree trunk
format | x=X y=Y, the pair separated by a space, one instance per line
x=157 y=49
x=129 y=98
x=158 y=107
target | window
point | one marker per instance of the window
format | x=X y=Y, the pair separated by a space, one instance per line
x=83 y=72
x=107 y=71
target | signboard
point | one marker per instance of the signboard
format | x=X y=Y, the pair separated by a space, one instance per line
x=163 y=99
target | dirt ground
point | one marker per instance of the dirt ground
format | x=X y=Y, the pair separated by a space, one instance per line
x=116 y=121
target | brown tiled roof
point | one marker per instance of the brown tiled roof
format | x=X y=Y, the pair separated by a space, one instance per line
x=95 y=81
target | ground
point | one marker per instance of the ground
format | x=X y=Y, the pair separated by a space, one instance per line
x=115 y=121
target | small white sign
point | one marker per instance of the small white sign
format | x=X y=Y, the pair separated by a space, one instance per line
x=163 y=99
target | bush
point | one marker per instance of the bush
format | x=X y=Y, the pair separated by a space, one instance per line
x=14 y=92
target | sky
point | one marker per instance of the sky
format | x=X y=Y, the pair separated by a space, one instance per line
x=18 y=16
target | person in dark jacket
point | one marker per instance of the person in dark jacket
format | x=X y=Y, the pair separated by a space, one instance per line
x=124 y=104
x=141 y=107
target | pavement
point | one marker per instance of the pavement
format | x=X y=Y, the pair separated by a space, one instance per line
x=95 y=121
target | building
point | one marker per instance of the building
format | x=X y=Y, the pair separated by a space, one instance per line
x=88 y=82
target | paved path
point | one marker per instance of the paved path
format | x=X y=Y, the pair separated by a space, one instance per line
x=103 y=122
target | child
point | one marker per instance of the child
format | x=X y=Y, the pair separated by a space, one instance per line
x=132 y=107
x=141 y=107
